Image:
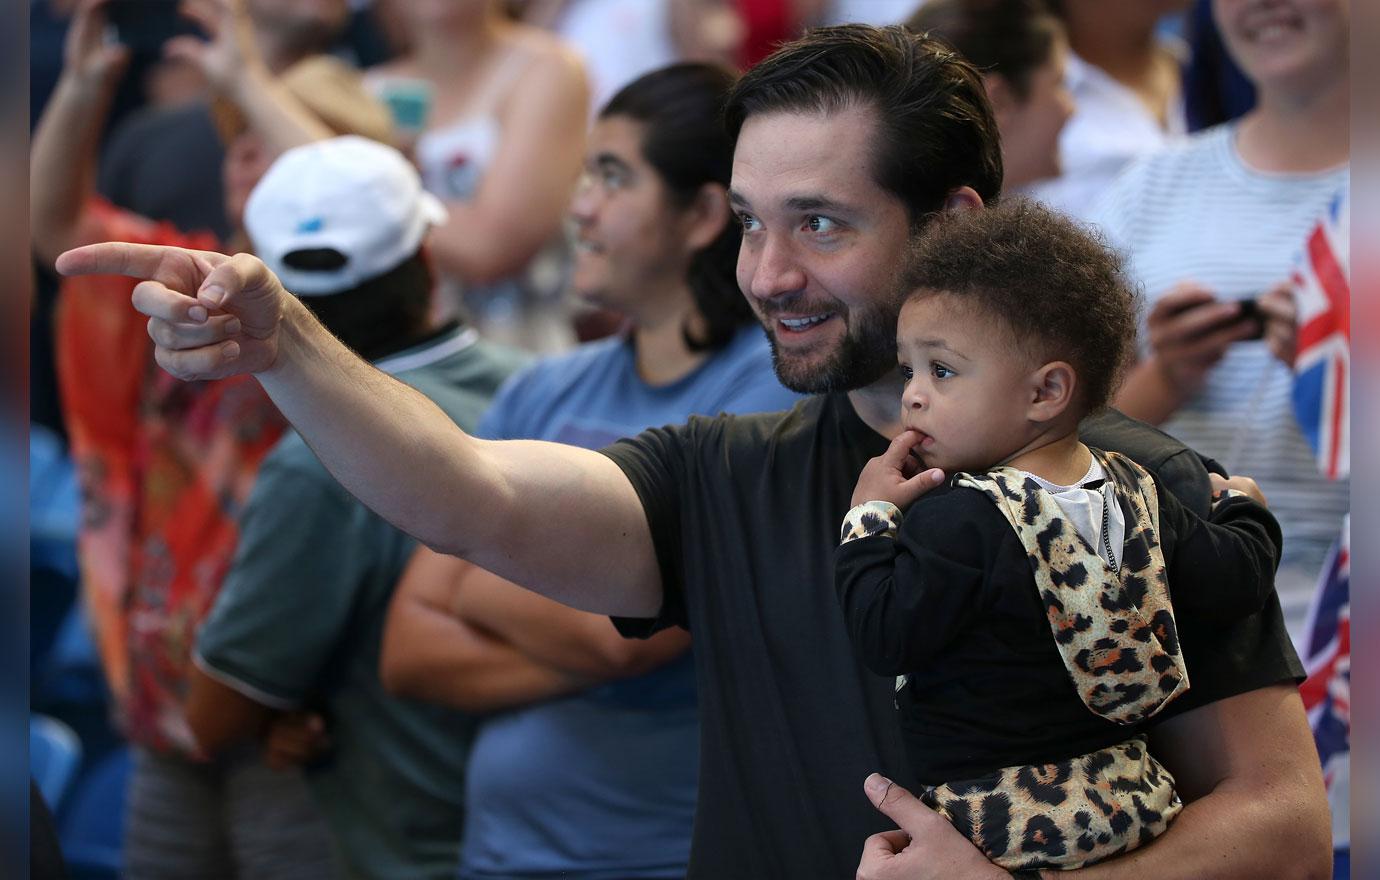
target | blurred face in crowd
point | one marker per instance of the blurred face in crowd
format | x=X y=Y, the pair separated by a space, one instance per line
x=246 y=160
x=1030 y=123
x=824 y=246
x=1287 y=46
x=628 y=234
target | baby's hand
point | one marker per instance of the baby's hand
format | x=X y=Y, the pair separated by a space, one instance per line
x=896 y=475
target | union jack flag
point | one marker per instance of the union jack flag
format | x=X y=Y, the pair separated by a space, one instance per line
x=1327 y=690
x=1322 y=366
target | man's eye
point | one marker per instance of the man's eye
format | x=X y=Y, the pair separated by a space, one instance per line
x=748 y=222
x=613 y=179
x=821 y=225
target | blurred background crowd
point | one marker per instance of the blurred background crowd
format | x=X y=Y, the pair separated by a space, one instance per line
x=569 y=176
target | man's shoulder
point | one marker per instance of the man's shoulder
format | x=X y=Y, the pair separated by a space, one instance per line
x=1179 y=469
x=759 y=431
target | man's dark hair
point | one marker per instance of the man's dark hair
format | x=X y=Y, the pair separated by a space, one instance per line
x=1013 y=38
x=935 y=131
x=683 y=140
x=1059 y=290
x=382 y=315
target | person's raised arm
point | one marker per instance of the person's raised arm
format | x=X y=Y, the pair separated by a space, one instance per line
x=236 y=70
x=564 y=521
x=524 y=193
x=62 y=159
x=430 y=653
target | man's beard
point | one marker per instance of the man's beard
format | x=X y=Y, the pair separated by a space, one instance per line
x=866 y=354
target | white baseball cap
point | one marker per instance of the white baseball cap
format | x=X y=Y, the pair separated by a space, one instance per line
x=351 y=195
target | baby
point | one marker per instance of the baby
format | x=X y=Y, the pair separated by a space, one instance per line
x=1028 y=606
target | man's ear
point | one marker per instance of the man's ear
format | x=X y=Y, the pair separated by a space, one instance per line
x=1052 y=388
x=962 y=198
x=706 y=216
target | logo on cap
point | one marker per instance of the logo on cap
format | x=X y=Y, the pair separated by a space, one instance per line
x=311 y=224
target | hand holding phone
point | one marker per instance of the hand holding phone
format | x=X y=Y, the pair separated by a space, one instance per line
x=1190 y=329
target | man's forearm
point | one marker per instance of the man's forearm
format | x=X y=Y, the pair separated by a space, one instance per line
x=1254 y=800
x=562 y=520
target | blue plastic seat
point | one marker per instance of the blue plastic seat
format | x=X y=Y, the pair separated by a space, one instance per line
x=91 y=829
x=54 y=756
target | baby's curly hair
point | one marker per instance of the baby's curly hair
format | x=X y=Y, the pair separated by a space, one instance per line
x=1056 y=286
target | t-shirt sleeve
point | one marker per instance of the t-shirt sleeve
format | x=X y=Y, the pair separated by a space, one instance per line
x=655 y=463
x=906 y=598
x=284 y=606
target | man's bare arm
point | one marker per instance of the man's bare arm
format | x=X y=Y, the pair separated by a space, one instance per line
x=563 y=521
x=1254 y=802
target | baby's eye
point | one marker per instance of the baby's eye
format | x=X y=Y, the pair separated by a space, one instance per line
x=939 y=371
x=906 y=372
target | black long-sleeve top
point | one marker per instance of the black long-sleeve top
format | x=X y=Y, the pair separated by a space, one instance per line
x=951 y=603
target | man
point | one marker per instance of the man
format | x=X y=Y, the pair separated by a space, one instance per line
x=726 y=524
x=298 y=622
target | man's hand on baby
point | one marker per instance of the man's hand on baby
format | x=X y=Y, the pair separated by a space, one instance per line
x=897 y=475
x=1245 y=485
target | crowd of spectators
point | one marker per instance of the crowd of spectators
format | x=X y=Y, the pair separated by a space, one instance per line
x=532 y=212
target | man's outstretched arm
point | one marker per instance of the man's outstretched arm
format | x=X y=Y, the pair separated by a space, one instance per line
x=563 y=521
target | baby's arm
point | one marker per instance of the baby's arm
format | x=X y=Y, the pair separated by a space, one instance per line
x=909 y=587
x=1222 y=567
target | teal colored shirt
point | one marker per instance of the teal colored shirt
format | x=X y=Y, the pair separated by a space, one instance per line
x=299 y=621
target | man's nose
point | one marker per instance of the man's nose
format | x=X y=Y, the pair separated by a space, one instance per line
x=777 y=271
x=586 y=201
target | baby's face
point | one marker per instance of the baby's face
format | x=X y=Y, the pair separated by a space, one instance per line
x=968 y=390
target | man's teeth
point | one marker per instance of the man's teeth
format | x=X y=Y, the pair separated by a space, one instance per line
x=802 y=323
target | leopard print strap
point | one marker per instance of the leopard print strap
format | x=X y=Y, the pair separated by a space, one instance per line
x=1114 y=630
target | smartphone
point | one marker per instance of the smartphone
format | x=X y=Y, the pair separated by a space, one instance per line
x=145 y=25
x=1250 y=311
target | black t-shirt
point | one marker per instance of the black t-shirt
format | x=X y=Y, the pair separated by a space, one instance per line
x=744 y=512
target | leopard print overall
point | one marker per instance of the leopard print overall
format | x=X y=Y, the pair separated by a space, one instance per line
x=1117 y=636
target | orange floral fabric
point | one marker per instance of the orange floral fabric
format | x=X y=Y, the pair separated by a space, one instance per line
x=165 y=467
